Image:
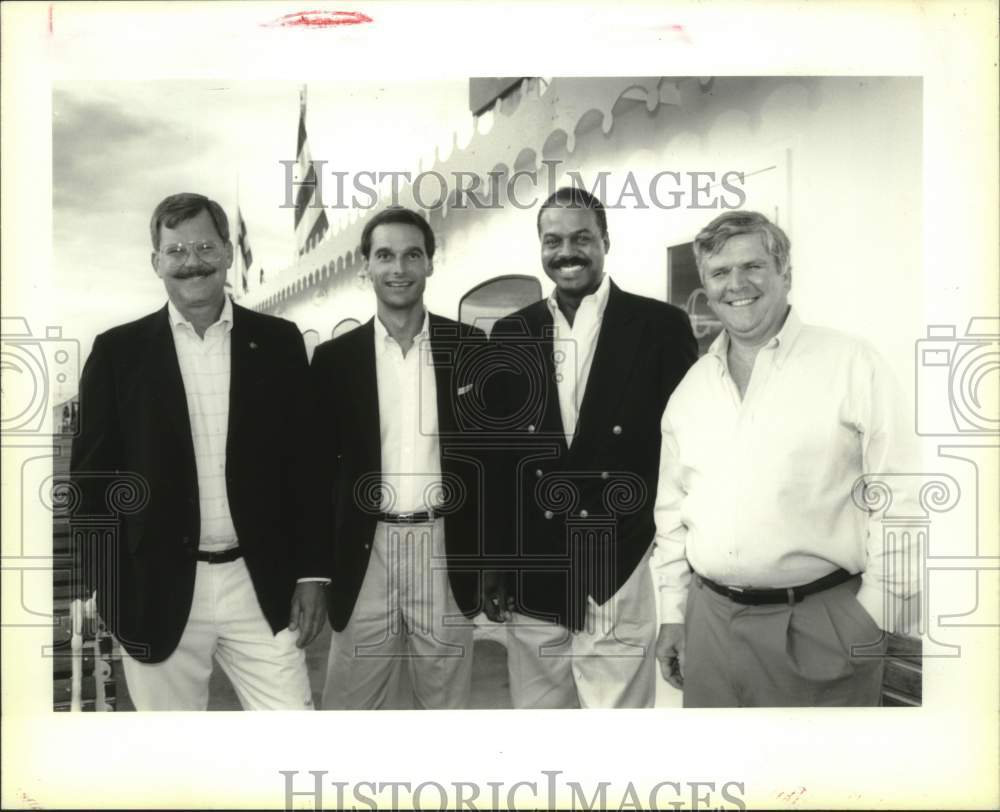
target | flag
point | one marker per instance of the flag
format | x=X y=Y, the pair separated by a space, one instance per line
x=243 y=242
x=262 y=274
x=310 y=221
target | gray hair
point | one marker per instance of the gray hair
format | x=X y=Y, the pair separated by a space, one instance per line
x=716 y=234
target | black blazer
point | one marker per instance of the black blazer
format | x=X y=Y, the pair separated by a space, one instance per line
x=135 y=429
x=346 y=389
x=575 y=521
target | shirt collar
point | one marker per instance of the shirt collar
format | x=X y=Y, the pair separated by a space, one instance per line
x=599 y=298
x=781 y=343
x=719 y=348
x=225 y=317
x=382 y=336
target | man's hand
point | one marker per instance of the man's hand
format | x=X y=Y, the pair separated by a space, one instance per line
x=308 y=611
x=497 y=604
x=670 y=653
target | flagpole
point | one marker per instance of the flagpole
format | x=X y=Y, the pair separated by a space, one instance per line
x=298 y=157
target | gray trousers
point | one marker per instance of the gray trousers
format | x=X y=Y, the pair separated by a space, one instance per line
x=824 y=650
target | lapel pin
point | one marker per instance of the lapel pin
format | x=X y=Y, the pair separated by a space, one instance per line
x=253 y=345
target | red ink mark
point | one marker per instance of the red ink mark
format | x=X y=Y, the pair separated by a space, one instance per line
x=319 y=19
x=50 y=18
x=675 y=30
x=793 y=797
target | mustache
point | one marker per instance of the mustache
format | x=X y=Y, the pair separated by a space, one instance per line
x=565 y=262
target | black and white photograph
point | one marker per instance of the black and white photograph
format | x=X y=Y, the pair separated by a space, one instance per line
x=574 y=421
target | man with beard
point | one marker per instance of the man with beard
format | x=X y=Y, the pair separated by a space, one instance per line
x=768 y=446
x=579 y=382
x=207 y=405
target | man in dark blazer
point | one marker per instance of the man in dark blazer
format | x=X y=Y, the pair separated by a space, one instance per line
x=402 y=479
x=204 y=408
x=581 y=382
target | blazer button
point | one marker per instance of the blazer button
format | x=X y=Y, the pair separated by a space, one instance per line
x=531 y=427
x=538 y=473
x=584 y=514
x=367 y=546
x=616 y=430
x=604 y=474
x=549 y=514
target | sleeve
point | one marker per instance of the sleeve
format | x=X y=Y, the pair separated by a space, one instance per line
x=303 y=493
x=95 y=456
x=682 y=350
x=501 y=376
x=671 y=572
x=891 y=579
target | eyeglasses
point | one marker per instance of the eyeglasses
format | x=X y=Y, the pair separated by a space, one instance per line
x=176 y=253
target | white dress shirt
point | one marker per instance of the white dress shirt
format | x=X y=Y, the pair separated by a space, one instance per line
x=205 y=370
x=408 y=422
x=758 y=492
x=573 y=351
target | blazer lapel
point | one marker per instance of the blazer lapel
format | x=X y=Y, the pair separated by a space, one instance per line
x=243 y=349
x=166 y=382
x=617 y=345
x=542 y=329
x=362 y=388
x=444 y=350
x=552 y=416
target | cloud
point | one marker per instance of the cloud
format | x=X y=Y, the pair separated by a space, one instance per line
x=101 y=148
x=117 y=150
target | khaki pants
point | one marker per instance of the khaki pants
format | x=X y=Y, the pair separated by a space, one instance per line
x=405 y=616
x=824 y=650
x=608 y=664
x=267 y=670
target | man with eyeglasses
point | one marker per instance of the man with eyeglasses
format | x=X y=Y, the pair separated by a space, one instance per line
x=220 y=554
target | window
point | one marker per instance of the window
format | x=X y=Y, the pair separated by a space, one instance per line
x=496 y=298
x=684 y=290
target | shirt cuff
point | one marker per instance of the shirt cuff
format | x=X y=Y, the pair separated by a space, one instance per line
x=870 y=598
x=670 y=604
x=311 y=580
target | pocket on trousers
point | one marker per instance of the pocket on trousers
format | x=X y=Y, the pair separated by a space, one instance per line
x=857 y=630
x=815 y=643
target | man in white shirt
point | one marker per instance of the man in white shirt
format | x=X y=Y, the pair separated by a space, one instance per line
x=219 y=554
x=402 y=483
x=766 y=444
x=580 y=381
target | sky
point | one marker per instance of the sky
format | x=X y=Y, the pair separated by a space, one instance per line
x=118 y=148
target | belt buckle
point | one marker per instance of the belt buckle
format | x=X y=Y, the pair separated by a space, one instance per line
x=404 y=517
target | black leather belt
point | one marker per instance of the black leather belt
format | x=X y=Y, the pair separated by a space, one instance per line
x=790 y=595
x=417 y=517
x=223 y=557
